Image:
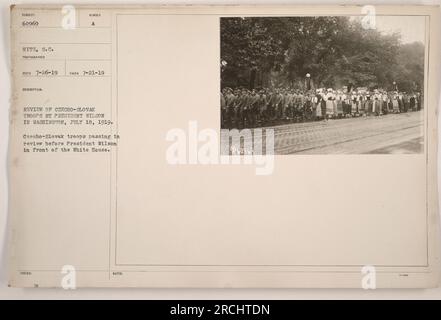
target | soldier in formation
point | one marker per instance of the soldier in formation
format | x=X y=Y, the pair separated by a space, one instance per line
x=243 y=108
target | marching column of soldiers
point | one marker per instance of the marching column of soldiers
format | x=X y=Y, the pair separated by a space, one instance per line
x=243 y=108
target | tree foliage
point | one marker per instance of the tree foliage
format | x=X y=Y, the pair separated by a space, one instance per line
x=336 y=51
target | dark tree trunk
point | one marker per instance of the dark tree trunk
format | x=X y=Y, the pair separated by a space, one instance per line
x=252 y=78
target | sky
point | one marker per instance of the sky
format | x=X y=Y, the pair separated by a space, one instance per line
x=411 y=28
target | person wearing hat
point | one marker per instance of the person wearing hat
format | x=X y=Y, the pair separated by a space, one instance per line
x=360 y=101
x=316 y=105
x=385 y=102
x=274 y=98
x=278 y=104
x=298 y=106
x=263 y=106
x=290 y=104
x=412 y=102
x=242 y=108
x=406 y=101
x=395 y=103
x=253 y=107
x=307 y=107
x=390 y=105
x=323 y=103
x=419 y=99
x=400 y=101
x=270 y=94
x=354 y=108
x=376 y=104
x=330 y=108
x=347 y=103
x=338 y=104
x=368 y=104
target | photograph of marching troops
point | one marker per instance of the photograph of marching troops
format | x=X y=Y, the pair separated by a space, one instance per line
x=325 y=84
x=244 y=108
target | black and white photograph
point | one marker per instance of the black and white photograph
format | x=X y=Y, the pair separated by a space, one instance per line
x=220 y=151
x=326 y=84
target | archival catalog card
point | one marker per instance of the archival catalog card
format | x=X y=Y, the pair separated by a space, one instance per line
x=224 y=146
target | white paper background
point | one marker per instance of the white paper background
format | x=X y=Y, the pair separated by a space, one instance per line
x=13 y=293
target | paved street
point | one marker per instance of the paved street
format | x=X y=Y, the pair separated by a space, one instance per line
x=393 y=133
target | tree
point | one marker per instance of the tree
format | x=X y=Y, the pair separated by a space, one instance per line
x=336 y=51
